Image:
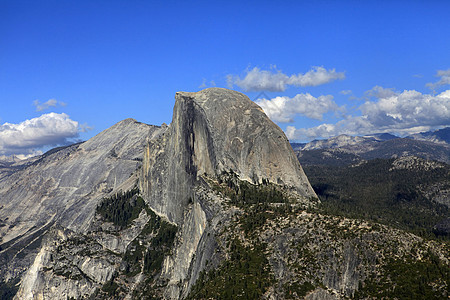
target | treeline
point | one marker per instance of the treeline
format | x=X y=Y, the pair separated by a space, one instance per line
x=242 y=193
x=246 y=275
x=162 y=235
x=427 y=278
x=8 y=289
x=121 y=208
x=159 y=247
x=373 y=191
x=259 y=201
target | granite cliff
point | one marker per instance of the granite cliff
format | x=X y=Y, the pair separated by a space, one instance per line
x=214 y=205
x=212 y=131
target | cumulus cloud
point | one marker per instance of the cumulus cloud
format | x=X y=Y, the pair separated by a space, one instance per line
x=445 y=79
x=263 y=80
x=402 y=113
x=25 y=138
x=48 y=104
x=283 y=109
x=308 y=134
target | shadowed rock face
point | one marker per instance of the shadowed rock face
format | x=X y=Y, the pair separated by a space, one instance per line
x=216 y=130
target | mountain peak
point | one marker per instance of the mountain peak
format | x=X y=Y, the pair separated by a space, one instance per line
x=243 y=138
x=219 y=99
x=212 y=131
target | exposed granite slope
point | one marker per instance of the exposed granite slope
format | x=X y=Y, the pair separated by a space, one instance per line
x=216 y=130
x=63 y=187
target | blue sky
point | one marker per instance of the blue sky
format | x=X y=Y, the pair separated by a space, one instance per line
x=70 y=69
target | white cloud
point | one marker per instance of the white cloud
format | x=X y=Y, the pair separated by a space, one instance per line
x=50 y=129
x=85 y=127
x=308 y=134
x=445 y=79
x=283 y=109
x=346 y=92
x=262 y=80
x=380 y=92
x=316 y=76
x=402 y=113
x=203 y=85
x=408 y=109
x=48 y=104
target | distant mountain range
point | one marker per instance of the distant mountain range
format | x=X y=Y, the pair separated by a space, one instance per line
x=346 y=149
x=397 y=181
x=441 y=136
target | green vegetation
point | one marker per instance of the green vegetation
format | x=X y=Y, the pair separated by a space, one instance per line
x=246 y=275
x=243 y=194
x=374 y=192
x=122 y=208
x=260 y=202
x=295 y=290
x=152 y=255
x=428 y=278
x=8 y=289
x=145 y=254
x=256 y=216
x=159 y=247
x=111 y=288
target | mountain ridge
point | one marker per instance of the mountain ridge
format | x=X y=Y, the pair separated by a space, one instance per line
x=373 y=146
x=214 y=205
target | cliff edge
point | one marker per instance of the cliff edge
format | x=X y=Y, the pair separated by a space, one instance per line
x=212 y=131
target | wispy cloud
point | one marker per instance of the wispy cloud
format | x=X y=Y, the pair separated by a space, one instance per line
x=403 y=113
x=25 y=138
x=46 y=105
x=444 y=79
x=264 y=80
x=205 y=84
x=283 y=109
x=380 y=92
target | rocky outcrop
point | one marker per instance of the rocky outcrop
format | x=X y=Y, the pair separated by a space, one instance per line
x=64 y=187
x=212 y=131
x=69 y=265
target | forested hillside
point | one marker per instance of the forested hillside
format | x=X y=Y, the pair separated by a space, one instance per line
x=406 y=193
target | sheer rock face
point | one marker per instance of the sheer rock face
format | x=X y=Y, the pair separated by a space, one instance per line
x=216 y=130
x=234 y=133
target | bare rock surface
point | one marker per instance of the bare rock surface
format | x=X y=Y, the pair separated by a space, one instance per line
x=216 y=130
x=64 y=187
